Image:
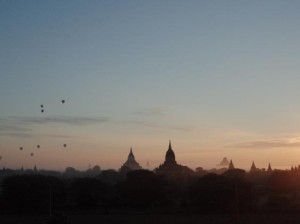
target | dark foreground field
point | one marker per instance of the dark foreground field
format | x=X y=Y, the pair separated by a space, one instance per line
x=156 y=219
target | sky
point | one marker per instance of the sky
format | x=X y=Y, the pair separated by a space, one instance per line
x=217 y=78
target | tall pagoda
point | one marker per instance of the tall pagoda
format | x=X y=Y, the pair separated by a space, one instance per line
x=130 y=164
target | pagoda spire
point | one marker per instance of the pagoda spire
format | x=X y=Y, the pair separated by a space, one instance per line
x=170 y=146
x=170 y=155
x=131 y=156
x=253 y=167
x=269 y=168
x=231 y=166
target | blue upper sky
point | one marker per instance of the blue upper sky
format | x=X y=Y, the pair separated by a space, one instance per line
x=213 y=76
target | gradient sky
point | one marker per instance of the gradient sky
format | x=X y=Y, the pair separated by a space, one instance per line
x=218 y=78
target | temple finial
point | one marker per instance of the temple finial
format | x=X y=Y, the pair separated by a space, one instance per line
x=170 y=146
x=231 y=166
x=130 y=156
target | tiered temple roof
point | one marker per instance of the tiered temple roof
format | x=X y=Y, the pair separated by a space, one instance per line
x=130 y=164
x=170 y=167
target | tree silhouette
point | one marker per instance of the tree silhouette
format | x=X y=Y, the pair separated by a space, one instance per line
x=213 y=193
x=88 y=193
x=32 y=193
x=142 y=189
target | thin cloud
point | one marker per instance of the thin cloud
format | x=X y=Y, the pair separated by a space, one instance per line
x=12 y=129
x=77 y=121
x=144 y=124
x=185 y=129
x=268 y=144
x=22 y=127
x=156 y=111
x=30 y=135
x=19 y=135
x=154 y=125
x=61 y=136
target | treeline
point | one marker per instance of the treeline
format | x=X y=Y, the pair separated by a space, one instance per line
x=143 y=190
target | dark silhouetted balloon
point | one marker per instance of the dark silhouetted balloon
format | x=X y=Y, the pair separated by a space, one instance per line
x=21 y=148
x=63 y=101
x=42 y=111
x=31 y=154
x=42 y=105
x=38 y=146
x=65 y=145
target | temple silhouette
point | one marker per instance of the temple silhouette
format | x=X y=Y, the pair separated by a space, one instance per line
x=131 y=164
x=170 y=167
